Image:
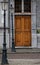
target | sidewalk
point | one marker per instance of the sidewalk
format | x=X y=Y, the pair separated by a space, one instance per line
x=24 y=61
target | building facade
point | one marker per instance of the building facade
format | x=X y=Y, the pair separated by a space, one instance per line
x=26 y=24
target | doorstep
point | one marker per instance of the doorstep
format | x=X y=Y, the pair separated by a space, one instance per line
x=23 y=50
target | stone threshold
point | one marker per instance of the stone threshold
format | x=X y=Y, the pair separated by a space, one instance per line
x=23 y=50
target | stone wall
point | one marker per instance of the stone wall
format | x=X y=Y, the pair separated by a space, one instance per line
x=38 y=22
x=33 y=23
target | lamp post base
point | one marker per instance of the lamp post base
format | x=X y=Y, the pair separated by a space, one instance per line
x=4 y=58
x=13 y=47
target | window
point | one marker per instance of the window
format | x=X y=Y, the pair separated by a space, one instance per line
x=22 y=5
x=18 y=5
x=27 y=5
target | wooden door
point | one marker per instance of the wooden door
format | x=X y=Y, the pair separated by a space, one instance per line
x=22 y=30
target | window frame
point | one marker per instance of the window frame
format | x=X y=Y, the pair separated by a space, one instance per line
x=22 y=9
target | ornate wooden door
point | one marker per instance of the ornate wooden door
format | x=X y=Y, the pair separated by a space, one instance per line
x=22 y=30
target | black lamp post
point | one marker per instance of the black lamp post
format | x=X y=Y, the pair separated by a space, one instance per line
x=13 y=45
x=4 y=51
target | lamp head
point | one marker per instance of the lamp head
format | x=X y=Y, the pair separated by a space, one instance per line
x=4 y=4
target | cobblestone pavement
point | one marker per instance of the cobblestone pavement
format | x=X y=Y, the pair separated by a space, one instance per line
x=24 y=56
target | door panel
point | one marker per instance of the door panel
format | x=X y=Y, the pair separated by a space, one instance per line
x=22 y=30
x=27 y=23
x=26 y=38
x=18 y=39
x=18 y=23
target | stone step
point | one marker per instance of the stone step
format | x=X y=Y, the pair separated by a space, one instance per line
x=27 y=50
x=23 y=50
